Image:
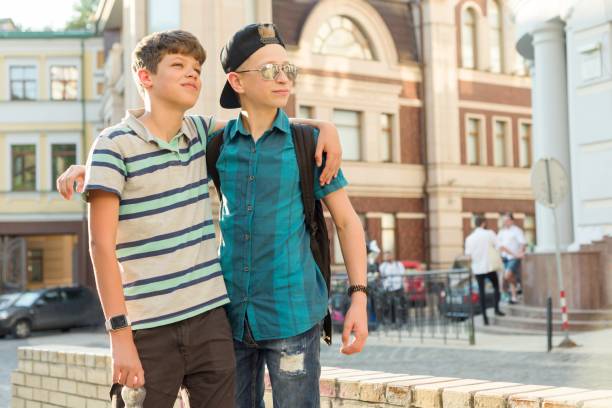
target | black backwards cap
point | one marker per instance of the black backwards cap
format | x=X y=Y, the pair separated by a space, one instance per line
x=240 y=47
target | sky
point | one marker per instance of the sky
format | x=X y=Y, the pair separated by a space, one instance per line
x=37 y=14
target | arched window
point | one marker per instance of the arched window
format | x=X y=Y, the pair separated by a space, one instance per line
x=342 y=37
x=468 y=38
x=495 y=35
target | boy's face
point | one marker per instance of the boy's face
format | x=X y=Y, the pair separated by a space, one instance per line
x=261 y=92
x=176 y=81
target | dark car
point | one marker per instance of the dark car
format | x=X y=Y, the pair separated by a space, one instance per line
x=60 y=308
x=455 y=301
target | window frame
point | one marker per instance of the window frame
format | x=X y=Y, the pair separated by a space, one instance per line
x=508 y=156
x=360 y=127
x=22 y=139
x=51 y=80
x=474 y=43
x=59 y=139
x=19 y=62
x=482 y=139
x=521 y=123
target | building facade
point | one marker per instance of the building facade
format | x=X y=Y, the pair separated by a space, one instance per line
x=50 y=88
x=432 y=103
x=570 y=47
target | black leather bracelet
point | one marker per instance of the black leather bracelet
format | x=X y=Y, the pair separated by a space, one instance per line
x=357 y=288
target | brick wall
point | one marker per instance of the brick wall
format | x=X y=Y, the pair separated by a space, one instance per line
x=62 y=376
x=80 y=377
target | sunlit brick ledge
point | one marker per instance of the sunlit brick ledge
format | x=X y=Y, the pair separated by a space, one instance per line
x=66 y=376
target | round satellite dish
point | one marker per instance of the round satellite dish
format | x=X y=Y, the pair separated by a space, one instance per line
x=549 y=182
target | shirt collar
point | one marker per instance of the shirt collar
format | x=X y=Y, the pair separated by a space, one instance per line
x=281 y=123
x=131 y=119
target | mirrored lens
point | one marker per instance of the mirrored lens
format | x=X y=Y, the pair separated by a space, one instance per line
x=269 y=72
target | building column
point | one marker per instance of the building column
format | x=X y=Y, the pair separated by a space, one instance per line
x=551 y=127
x=442 y=126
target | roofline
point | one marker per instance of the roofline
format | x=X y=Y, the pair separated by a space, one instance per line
x=47 y=34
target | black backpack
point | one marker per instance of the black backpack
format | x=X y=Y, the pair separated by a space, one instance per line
x=303 y=140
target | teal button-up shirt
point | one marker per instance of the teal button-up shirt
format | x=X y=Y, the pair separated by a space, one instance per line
x=269 y=270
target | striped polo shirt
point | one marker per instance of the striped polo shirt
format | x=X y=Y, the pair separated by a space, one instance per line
x=166 y=244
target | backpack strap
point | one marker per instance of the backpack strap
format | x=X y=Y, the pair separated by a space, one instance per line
x=213 y=150
x=303 y=142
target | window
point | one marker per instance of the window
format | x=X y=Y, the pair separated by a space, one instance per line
x=64 y=82
x=495 y=36
x=349 y=128
x=306 y=112
x=342 y=37
x=473 y=142
x=388 y=233
x=525 y=145
x=163 y=15
x=62 y=157
x=23 y=167
x=23 y=82
x=521 y=65
x=35 y=265
x=386 y=137
x=499 y=143
x=100 y=88
x=468 y=38
x=100 y=59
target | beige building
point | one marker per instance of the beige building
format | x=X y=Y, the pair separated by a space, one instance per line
x=435 y=121
x=50 y=89
x=431 y=101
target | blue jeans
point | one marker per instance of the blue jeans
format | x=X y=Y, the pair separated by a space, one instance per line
x=294 y=368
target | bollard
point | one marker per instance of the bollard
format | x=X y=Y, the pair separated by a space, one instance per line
x=133 y=397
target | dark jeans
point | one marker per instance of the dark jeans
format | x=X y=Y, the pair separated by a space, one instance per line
x=294 y=368
x=492 y=276
x=196 y=353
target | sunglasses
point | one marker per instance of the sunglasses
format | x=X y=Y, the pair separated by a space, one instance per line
x=270 y=72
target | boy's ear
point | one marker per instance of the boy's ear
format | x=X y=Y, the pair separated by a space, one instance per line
x=235 y=82
x=144 y=76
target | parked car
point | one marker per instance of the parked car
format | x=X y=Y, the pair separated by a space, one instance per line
x=455 y=301
x=59 y=308
x=414 y=284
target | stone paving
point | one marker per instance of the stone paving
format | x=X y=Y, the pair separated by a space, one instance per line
x=504 y=358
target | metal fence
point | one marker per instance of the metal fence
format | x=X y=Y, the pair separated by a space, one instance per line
x=429 y=305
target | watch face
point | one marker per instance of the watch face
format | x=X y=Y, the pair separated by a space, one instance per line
x=118 y=322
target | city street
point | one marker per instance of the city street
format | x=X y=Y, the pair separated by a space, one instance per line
x=495 y=357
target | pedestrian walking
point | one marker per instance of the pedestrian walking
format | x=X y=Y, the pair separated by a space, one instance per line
x=480 y=246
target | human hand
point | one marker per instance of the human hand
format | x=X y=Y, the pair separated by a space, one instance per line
x=65 y=182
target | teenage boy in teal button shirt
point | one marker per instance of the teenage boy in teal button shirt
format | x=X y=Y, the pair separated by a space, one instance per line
x=278 y=295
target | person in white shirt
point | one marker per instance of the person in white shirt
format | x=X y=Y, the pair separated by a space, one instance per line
x=392 y=274
x=480 y=247
x=512 y=243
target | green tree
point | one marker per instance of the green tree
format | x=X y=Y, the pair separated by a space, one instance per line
x=84 y=10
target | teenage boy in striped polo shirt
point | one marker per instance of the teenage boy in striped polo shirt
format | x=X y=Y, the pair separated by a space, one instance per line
x=152 y=239
x=277 y=292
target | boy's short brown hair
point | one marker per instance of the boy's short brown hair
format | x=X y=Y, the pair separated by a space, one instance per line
x=151 y=49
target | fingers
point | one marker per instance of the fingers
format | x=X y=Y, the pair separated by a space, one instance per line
x=132 y=377
x=356 y=346
x=319 y=155
x=332 y=166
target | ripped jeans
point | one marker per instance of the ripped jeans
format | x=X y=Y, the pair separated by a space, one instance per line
x=293 y=365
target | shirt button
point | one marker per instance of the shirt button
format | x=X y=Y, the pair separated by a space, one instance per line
x=246 y=268
x=251 y=178
x=253 y=150
x=249 y=208
x=247 y=237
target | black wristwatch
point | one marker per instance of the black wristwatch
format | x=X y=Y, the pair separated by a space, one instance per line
x=117 y=323
x=357 y=288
